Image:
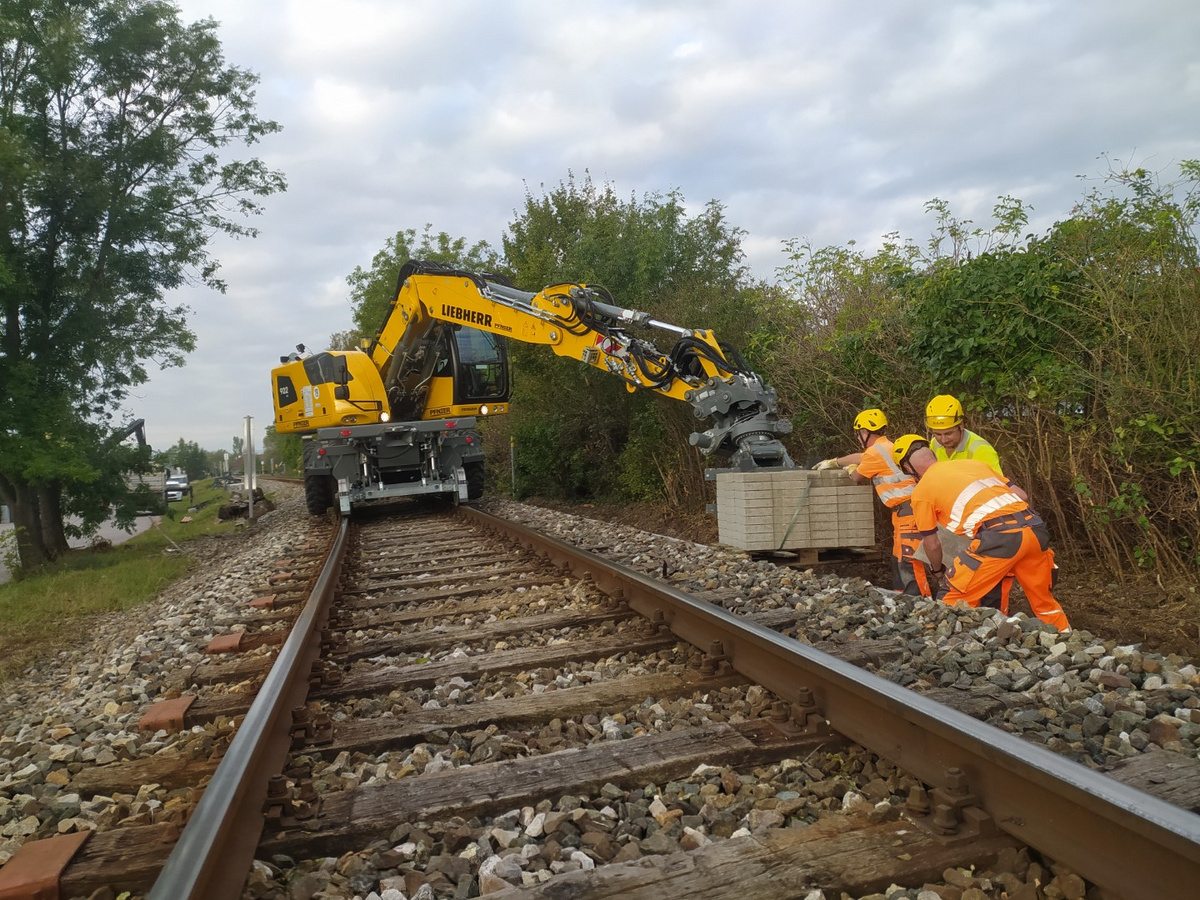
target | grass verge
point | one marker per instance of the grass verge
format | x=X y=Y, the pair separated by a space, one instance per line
x=47 y=611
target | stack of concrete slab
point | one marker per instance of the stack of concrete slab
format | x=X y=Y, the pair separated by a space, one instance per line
x=794 y=509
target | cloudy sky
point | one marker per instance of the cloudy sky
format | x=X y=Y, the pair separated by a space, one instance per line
x=824 y=121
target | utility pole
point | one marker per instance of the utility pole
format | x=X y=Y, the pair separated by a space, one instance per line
x=249 y=464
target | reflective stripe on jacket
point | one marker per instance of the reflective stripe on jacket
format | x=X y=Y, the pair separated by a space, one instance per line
x=961 y=494
x=892 y=486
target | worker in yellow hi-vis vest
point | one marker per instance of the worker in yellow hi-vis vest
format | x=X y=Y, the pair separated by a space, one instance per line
x=952 y=440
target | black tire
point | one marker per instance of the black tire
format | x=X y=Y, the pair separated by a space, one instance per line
x=474 y=473
x=318 y=494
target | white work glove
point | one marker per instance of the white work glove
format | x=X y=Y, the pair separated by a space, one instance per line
x=827 y=464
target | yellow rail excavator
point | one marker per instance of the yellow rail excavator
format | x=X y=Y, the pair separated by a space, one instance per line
x=399 y=417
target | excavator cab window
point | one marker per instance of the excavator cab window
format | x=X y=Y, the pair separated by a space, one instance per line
x=481 y=366
x=326 y=368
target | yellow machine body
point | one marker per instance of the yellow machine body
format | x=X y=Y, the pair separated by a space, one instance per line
x=399 y=416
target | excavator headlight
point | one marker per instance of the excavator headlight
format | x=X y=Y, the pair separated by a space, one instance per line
x=384 y=417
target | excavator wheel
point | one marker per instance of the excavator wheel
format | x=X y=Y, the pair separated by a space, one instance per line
x=474 y=473
x=318 y=493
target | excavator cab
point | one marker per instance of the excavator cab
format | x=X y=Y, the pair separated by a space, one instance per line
x=482 y=367
x=470 y=377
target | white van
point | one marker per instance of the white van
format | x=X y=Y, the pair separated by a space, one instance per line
x=178 y=486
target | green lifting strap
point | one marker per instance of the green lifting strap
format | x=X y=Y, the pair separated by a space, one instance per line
x=799 y=505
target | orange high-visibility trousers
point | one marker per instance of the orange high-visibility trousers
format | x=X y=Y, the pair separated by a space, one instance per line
x=1016 y=545
x=912 y=576
x=997 y=597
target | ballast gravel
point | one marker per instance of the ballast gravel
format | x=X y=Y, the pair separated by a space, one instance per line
x=1091 y=700
x=82 y=706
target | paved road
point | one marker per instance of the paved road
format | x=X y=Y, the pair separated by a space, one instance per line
x=107 y=530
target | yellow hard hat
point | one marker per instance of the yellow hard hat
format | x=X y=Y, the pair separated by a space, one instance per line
x=906 y=445
x=943 y=411
x=871 y=420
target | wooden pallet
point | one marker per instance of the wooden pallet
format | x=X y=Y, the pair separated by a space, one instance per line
x=824 y=556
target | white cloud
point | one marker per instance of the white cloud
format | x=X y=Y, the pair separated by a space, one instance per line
x=820 y=121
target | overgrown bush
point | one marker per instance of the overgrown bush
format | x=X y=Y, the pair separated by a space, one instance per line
x=1073 y=352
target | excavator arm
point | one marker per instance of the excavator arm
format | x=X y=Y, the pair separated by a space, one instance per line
x=582 y=322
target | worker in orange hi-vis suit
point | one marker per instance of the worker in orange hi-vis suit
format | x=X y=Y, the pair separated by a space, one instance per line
x=967 y=497
x=894 y=488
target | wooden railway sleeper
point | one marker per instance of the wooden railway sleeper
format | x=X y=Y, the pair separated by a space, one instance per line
x=951 y=814
x=280 y=598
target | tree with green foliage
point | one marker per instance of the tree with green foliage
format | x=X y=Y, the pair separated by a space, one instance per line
x=118 y=129
x=112 y=462
x=831 y=337
x=186 y=455
x=837 y=336
x=1132 y=342
x=285 y=448
x=1078 y=349
x=372 y=290
x=578 y=433
x=1073 y=351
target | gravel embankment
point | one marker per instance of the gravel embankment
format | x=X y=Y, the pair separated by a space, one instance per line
x=1090 y=700
x=82 y=705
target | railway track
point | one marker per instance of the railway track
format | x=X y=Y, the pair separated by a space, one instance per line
x=463 y=705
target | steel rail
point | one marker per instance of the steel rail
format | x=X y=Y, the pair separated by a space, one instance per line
x=1122 y=839
x=216 y=849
